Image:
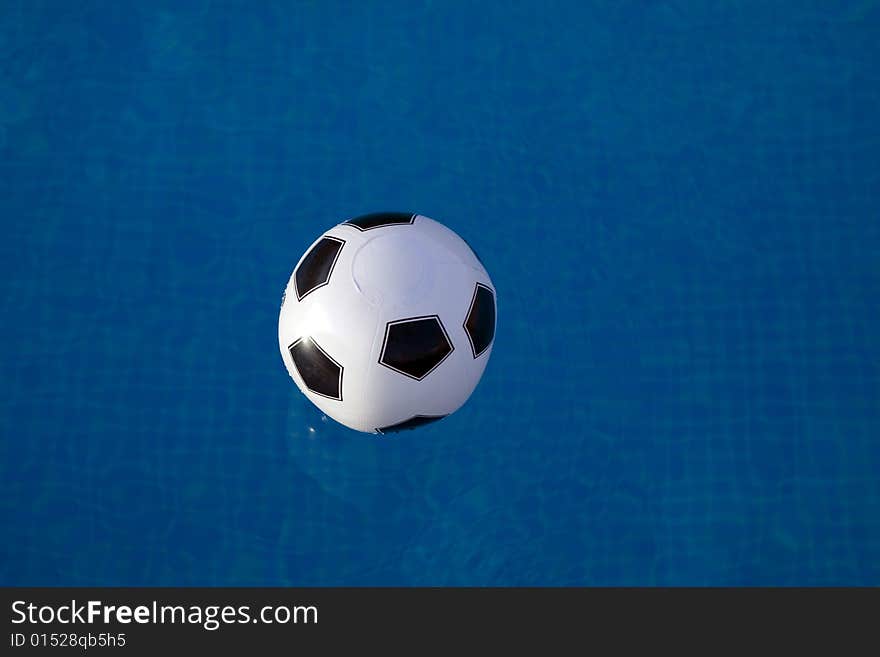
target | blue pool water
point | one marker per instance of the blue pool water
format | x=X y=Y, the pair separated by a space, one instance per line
x=677 y=201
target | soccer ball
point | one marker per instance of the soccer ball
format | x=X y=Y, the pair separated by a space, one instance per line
x=387 y=322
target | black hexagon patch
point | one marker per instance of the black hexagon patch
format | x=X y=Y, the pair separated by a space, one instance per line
x=321 y=374
x=480 y=321
x=380 y=219
x=412 y=423
x=315 y=269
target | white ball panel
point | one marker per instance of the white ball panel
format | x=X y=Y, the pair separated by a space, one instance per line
x=385 y=275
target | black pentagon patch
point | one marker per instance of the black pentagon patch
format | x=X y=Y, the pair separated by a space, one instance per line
x=380 y=219
x=480 y=321
x=412 y=423
x=321 y=374
x=415 y=346
x=315 y=269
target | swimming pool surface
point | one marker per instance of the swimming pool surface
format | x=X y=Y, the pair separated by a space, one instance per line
x=678 y=204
